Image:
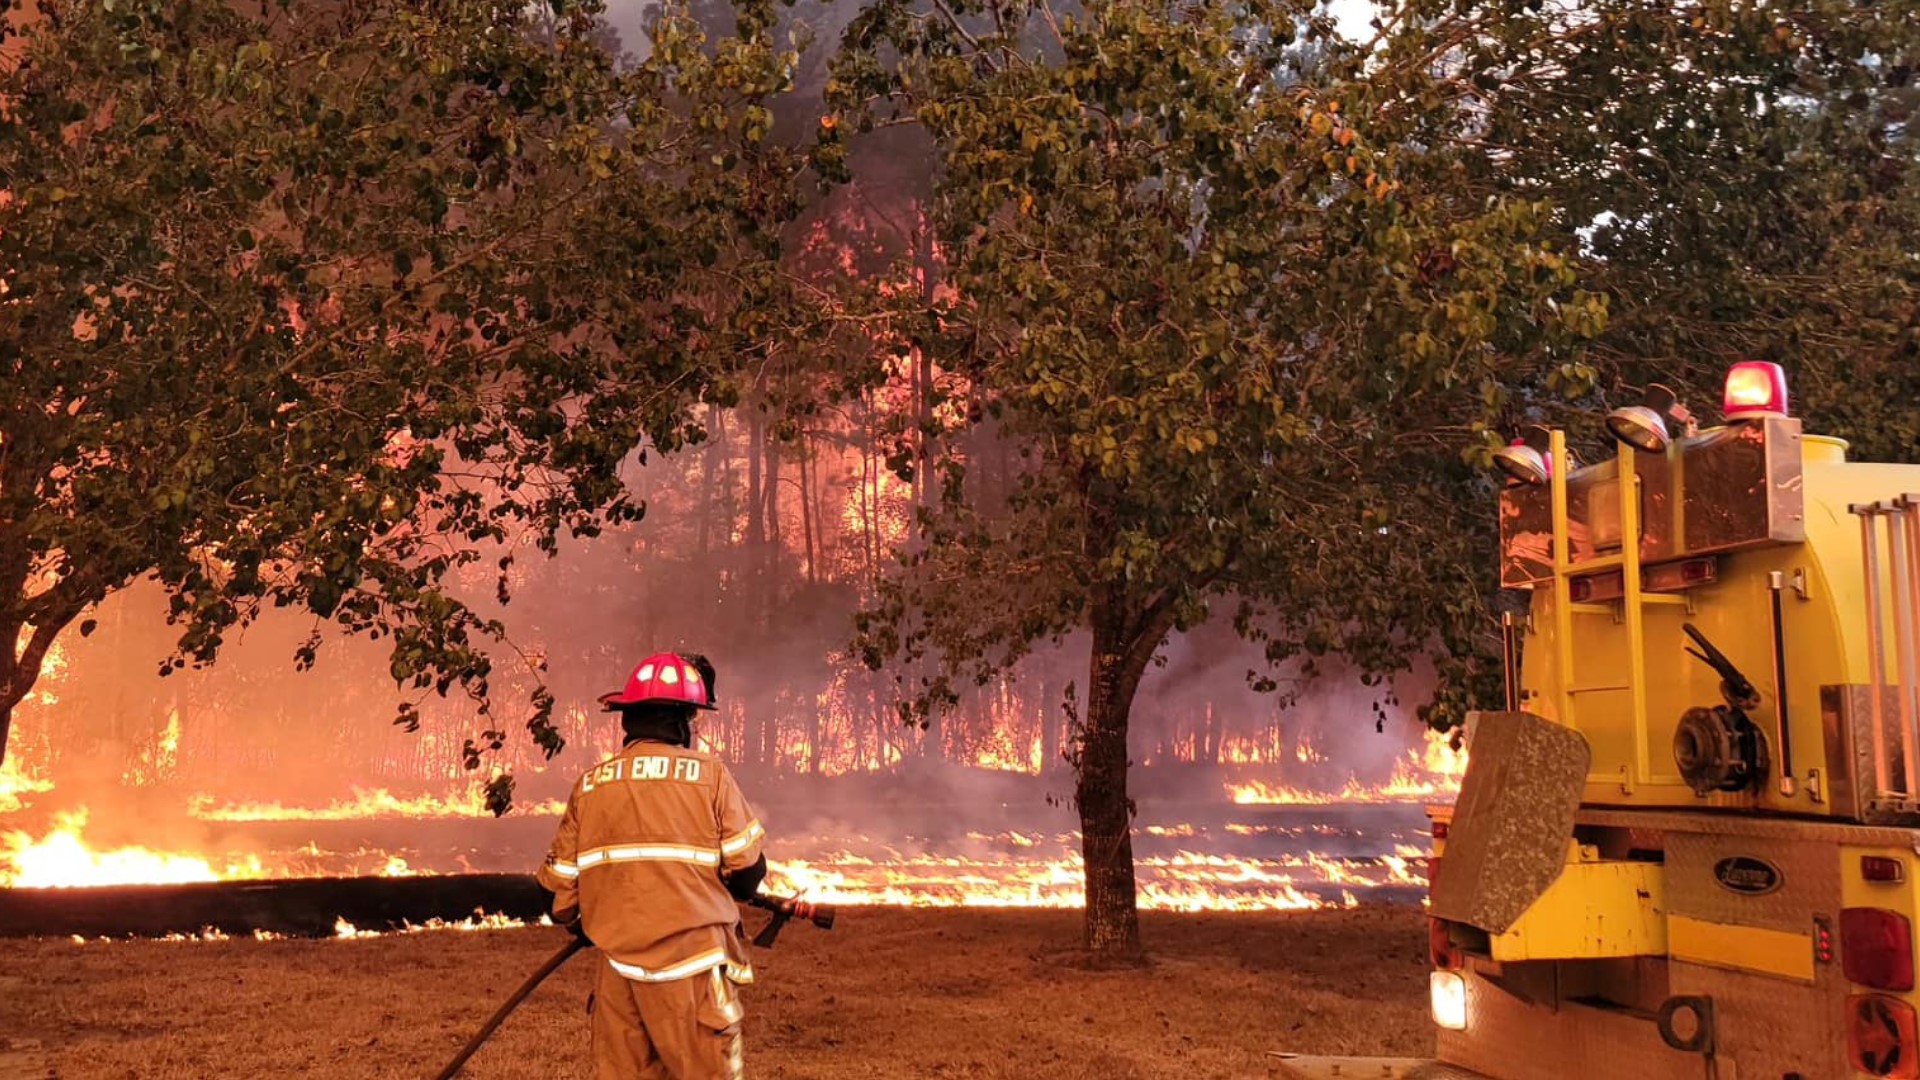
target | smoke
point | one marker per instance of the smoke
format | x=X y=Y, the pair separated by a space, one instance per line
x=856 y=800
x=794 y=702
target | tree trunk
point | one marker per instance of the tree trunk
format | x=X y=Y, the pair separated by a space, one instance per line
x=756 y=499
x=775 y=542
x=1106 y=811
x=1049 y=728
x=754 y=730
x=871 y=464
x=806 y=510
x=19 y=671
x=709 y=468
x=9 y=695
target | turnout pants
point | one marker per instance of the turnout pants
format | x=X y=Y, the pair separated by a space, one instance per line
x=686 y=1029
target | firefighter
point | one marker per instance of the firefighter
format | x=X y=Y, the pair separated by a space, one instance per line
x=656 y=846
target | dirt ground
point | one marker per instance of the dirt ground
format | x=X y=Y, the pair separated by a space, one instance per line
x=887 y=993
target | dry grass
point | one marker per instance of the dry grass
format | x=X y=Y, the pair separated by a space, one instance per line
x=889 y=993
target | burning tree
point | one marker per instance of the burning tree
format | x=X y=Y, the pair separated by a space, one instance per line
x=1201 y=273
x=307 y=306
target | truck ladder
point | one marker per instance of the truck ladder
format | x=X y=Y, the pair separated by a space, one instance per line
x=1892 y=527
x=1632 y=601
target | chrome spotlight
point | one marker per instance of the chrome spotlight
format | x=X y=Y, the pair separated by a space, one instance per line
x=1651 y=425
x=1527 y=460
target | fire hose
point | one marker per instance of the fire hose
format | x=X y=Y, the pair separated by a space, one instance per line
x=784 y=909
x=513 y=1002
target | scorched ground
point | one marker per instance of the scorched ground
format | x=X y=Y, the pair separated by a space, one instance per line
x=989 y=994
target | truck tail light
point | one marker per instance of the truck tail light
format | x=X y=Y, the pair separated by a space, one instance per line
x=1876 y=948
x=1755 y=388
x=1440 y=948
x=1882 y=868
x=1678 y=576
x=1449 y=992
x=1882 y=1037
x=1440 y=830
x=1597 y=587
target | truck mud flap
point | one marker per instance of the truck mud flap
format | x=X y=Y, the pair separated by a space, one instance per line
x=1300 y=1067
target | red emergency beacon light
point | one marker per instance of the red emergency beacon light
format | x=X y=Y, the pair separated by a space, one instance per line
x=1755 y=389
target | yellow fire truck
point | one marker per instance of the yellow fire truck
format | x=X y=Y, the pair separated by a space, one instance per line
x=1689 y=845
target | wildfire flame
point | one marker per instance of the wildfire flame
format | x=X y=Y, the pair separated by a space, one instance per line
x=1029 y=870
x=346 y=931
x=63 y=859
x=1253 y=863
x=1428 y=772
x=1006 y=870
x=366 y=805
x=1187 y=881
x=1005 y=754
x=206 y=933
x=479 y=920
x=158 y=761
x=16 y=786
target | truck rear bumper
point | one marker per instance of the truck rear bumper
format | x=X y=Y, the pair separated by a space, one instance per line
x=1300 y=1067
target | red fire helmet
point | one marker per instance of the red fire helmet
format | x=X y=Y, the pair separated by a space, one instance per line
x=663 y=677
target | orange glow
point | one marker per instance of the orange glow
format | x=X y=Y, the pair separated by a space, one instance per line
x=1239 y=751
x=62 y=859
x=1441 y=757
x=160 y=760
x=1002 y=753
x=1010 y=869
x=367 y=805
x=16 y=787
x=1196 y=863
x=65 y=858
x=1186 y=881
x=1429 y=772
x=1044 y=870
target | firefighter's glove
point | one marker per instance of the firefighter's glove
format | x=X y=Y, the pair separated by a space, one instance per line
x=743 y=883
x=579 y=929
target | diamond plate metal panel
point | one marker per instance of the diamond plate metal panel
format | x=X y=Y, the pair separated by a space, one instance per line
x=1509 y=1039
x=1846 y=718
x=1768 y=1027
x=1655 y=823
x=1293 y=1067
x=1809 y=873
x=1508 y=840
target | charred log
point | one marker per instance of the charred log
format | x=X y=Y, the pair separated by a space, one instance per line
x=303 y=907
